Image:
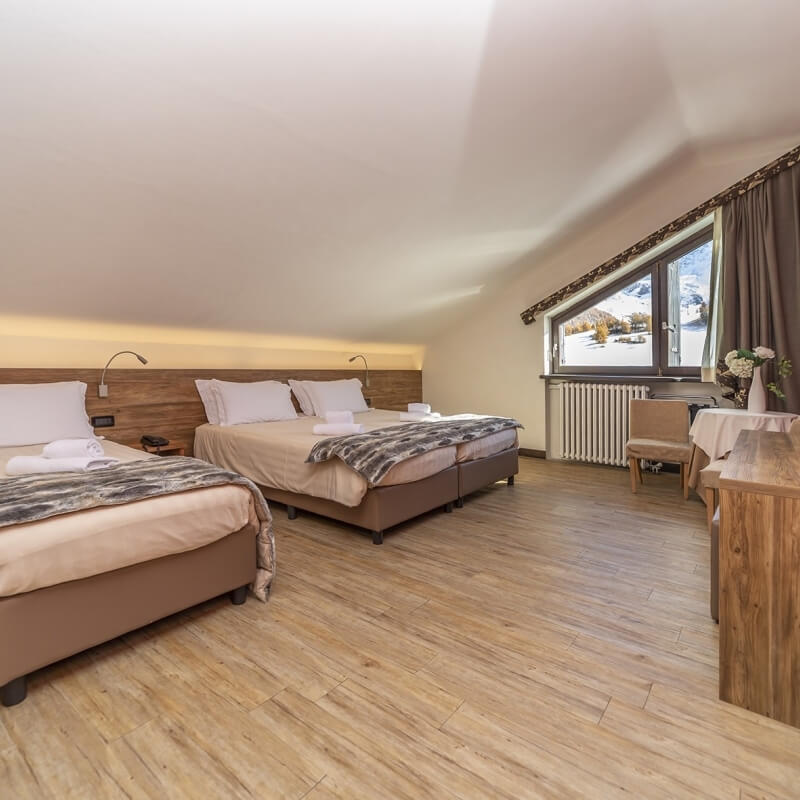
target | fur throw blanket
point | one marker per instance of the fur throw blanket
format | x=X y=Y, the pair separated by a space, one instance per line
x=29 y=498
x=374 y=453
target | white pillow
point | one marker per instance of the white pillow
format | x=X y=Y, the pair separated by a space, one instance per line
x=300 y=389
x=263 y=401
x=209 y=398
x=342 y=395
x=37 y=413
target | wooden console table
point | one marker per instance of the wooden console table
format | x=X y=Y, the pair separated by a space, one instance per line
x=759 y=576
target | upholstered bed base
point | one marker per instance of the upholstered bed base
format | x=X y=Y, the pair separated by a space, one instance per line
x=386 y=506
x=474 y=475
x=46 y=625
x=383 y=506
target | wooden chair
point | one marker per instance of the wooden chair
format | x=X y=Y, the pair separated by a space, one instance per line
x=659 y=431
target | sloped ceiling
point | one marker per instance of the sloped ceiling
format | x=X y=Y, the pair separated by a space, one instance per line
x=347 y=169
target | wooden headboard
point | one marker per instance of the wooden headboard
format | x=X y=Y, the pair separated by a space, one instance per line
x=165 y=401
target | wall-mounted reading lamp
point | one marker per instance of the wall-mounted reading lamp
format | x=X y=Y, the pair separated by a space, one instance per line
x=366 y=368
x=102 y=389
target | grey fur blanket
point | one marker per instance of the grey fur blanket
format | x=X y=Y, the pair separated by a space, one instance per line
x=28 y=498
x=374 y=453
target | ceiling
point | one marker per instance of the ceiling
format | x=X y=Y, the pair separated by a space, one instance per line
x=349 y=169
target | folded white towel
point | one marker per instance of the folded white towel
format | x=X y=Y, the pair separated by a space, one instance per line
x=33 y=465
x=337 y=417
x=417 y=416
x=419 y=408
x=73 y=448
x=338 y=429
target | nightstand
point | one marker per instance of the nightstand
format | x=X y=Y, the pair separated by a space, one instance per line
x=174 y=448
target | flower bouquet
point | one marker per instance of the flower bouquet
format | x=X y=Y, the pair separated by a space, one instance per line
x=745 y=365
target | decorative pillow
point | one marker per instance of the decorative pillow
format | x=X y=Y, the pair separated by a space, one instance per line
x=344 y=395
x=37 y=413
x=209 y=398
x=300 y=390
x=263 y=401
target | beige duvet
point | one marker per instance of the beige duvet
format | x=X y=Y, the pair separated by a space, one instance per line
x=87 y=543
x=273 y=455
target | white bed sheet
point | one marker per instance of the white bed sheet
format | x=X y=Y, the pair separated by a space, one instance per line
x=85 y=543
x=273 y=455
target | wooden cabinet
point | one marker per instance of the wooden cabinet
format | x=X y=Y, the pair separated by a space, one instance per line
x=759 y=576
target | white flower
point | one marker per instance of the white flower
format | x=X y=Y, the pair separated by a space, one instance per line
x=741 y=367
x=730 y=357
x=764 y=353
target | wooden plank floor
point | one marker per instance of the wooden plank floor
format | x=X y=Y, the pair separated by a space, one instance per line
x=547 y=640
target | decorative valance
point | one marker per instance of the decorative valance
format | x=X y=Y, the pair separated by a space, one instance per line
x=741 y=187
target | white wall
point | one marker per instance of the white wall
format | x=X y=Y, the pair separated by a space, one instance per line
x=46 y=342
x=490 y=362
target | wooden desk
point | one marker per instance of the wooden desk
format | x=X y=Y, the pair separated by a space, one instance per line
x=759 y=576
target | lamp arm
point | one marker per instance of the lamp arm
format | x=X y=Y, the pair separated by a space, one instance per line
x=102 y=389
x=121 y=352
x=366 y=369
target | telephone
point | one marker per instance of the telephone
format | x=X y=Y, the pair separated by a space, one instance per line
x=155 y=441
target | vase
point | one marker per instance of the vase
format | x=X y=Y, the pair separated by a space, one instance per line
x=757 y=398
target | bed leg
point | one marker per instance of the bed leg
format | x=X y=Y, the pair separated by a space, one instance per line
x=238 y=596
x=291 y=512
x=377 y=537
x=510 y=480
x=460 y=502
x=14 y=691
x=448 y=508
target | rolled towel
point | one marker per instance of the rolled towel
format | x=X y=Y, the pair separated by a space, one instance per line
x=339 y=417
x=417 y=416
x=419 y=408
x=73 y=448
x=34 y=465
x=338 y=429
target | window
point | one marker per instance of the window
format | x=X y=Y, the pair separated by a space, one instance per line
x=652 y=322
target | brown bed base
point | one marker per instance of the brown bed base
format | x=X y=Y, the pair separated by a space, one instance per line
x=46 y=625
x=386 y=506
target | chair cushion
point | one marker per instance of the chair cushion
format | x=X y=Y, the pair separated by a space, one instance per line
x=657 y=450
x=709 y=476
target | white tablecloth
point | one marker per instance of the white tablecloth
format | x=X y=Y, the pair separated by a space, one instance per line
x=715 y=430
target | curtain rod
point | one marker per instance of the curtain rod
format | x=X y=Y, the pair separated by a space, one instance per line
x=607 y=267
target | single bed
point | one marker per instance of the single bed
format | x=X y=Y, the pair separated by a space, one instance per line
x=72 y=581
x=273 y=455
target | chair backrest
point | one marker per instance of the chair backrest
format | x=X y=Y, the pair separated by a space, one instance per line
x=794 y=431
x=664 y=420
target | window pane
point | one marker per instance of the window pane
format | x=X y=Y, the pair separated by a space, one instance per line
x=688 y=293
x=615 y=332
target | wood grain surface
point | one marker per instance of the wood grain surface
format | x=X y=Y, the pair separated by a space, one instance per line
x=548 y=640
x=759 y=654
x=165 y=401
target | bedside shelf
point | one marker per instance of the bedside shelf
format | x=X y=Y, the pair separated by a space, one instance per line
x=174 y=448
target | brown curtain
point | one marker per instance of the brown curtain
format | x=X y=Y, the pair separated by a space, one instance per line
x=761 y=275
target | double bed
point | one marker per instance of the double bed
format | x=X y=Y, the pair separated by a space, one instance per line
x=74 y=580
x=274 y=456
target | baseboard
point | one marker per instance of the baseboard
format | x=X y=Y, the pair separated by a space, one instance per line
x=527 y=452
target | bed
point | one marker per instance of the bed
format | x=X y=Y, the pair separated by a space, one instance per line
x=73 y=581
x=273 y=455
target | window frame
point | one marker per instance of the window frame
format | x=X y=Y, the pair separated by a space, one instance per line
x=656 y=267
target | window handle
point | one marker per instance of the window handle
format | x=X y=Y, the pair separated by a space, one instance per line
x=665 y=326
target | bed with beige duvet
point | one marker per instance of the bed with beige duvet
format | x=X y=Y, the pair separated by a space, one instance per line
x=73 y=581
x=273 y=455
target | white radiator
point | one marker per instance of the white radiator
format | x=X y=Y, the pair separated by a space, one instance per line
x=594 y=421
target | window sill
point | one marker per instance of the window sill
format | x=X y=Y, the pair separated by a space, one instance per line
x=583 y=376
